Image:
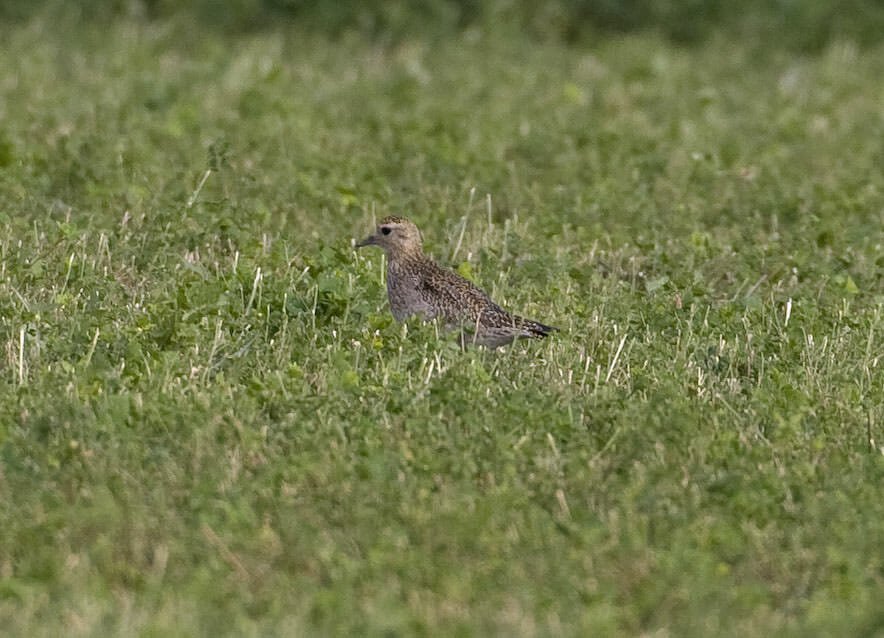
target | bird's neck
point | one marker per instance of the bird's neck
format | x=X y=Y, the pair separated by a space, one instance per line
x=403 y=257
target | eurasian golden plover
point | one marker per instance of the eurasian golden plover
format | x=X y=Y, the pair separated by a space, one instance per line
x=416 y=285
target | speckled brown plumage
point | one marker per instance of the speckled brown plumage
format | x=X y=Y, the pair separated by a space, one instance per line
x=416 y=285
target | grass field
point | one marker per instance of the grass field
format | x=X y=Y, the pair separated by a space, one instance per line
x=210 y=423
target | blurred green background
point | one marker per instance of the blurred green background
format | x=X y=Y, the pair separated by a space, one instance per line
x=804 y=25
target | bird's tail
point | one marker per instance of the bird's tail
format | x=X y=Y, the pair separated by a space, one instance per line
x=535 y=329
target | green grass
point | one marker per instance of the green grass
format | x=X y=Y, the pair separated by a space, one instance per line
x=210 y=424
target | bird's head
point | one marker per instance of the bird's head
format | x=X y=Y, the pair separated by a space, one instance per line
x=397 y=236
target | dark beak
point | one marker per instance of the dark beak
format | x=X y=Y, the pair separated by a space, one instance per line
x=368 y=241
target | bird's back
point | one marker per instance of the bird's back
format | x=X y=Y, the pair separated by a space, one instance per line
x=420 y=286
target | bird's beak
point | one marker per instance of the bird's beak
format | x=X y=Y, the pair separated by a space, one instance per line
x=371 y=240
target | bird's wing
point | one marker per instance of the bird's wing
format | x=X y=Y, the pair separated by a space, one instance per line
x=457 y=299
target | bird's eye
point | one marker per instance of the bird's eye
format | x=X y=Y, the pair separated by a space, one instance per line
x=385 y=230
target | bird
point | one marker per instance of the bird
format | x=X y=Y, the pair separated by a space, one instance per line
x=416 y=285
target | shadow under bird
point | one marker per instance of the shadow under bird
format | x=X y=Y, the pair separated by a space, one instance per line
x=417 y=285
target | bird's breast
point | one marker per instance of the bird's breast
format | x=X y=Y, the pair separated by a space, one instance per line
x=403 y=291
